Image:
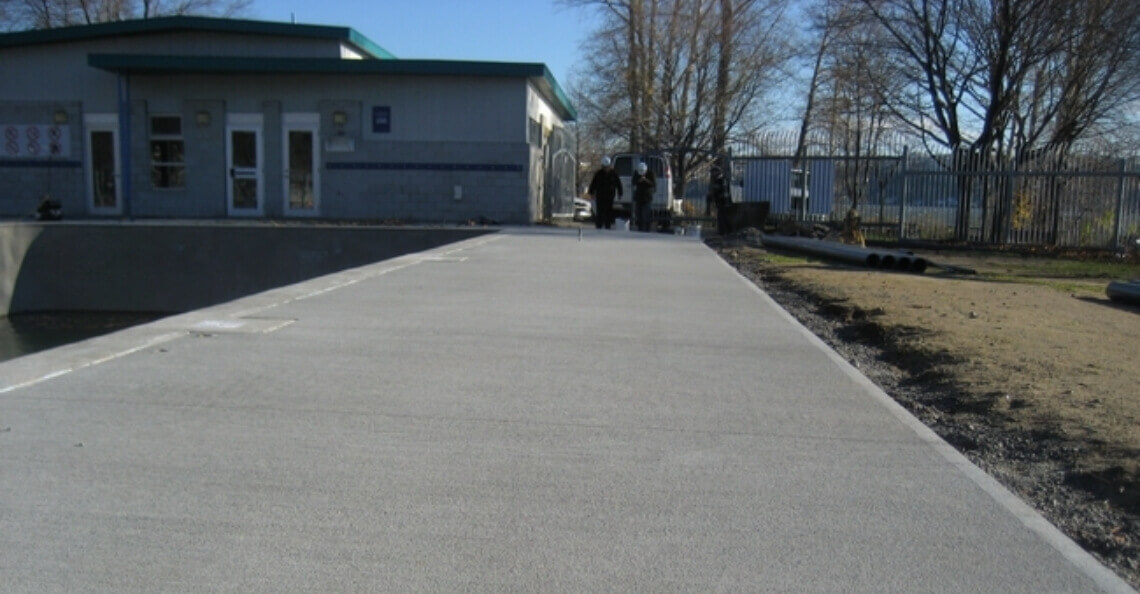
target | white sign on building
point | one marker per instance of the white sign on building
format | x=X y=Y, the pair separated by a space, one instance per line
x=34 y=141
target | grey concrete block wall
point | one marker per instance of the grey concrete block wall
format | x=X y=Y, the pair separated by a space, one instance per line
x=174 y=268
x=428 y=195
x=272 y=167
x=205 y=195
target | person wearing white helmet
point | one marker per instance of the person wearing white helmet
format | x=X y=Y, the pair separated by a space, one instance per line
x=603 y=187
x=644 y=185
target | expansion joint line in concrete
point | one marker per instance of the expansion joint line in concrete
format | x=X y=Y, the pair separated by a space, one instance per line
x=61 y=372
x=445 y=256
x=410 y=261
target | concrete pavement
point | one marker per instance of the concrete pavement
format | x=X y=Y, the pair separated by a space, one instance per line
x=525 y=412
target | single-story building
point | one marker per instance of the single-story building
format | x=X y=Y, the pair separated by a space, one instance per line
x=190 y=117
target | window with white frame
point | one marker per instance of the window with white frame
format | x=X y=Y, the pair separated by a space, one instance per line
x=167 y=152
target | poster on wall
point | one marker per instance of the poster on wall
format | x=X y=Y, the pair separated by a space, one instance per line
x=35 y=141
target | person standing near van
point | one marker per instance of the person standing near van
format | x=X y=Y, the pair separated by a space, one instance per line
x=603 y=187
x=644 y=185
x=719 y=195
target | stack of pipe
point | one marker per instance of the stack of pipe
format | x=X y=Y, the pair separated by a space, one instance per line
x=851 y=254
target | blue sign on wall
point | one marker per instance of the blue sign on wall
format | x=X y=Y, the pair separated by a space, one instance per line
x=381 y=119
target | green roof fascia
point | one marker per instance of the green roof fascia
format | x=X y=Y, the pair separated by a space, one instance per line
x=559 y=96
x=192 y=23
x=369 y=46
x=156 y=64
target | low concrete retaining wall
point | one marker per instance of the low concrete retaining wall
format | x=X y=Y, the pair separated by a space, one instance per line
x=173 y=268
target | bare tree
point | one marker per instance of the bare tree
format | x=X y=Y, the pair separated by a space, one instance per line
x=1092 y=75
x=226 y=8
x=49 y=14
x=1009 y=75
x=679 y=76
x=853 y=103
x=987 y=78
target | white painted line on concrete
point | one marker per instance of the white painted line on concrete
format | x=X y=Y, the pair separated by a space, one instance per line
x=276 y=327
x=442 y=256
x=232 y=324
x=1084 y=561
x=218 y=325
x=444 y=259
x=322 y=291
x=62 y=372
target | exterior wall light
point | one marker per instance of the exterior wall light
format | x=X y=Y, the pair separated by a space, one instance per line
x=339 y=118
x=202 y=118
x=59 y=117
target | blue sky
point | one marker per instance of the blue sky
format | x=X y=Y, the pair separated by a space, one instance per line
x=481 y=30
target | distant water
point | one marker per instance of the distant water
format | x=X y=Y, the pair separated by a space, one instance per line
x=22 y=334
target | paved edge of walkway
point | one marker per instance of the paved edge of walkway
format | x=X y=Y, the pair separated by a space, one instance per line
x=1097 y=571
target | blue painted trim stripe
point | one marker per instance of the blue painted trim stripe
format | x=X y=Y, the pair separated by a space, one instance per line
x=374 y=166
x=39 y=164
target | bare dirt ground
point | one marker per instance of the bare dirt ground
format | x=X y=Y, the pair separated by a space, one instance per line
x=1026 y=367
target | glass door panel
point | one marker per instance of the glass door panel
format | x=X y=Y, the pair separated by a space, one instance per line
x=301 y=154
x=301 y=169
x=104 y=186
x=244 y=188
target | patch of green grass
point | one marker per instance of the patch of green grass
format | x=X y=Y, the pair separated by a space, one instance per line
x=1073 y=287
x=1059 y=283
x=782 y=259
x=1057 y=268
x=1074 y=269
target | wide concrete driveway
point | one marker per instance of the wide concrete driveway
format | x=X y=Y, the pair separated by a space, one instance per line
x=524 y=412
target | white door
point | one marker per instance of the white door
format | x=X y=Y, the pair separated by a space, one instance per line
x=104 y=191
x=301 y=159
x=244 y=157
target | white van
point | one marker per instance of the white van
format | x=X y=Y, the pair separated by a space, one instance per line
x=663 y=201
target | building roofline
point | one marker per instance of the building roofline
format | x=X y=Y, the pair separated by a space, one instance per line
x=193 y=23
x=537 y=73
x=557 y=96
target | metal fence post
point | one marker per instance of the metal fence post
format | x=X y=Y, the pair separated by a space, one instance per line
x=1118 y=232
x=903 y=194
x=1005 y=212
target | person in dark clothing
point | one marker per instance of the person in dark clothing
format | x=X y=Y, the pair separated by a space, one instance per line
x=644 y=185
x=718 y=195
x=49 y=210
x=603 y=187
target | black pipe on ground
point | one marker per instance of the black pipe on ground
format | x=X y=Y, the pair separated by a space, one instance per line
x=825 y=249
x=1124 y=292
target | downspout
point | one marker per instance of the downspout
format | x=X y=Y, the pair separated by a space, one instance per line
x=125 y=141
